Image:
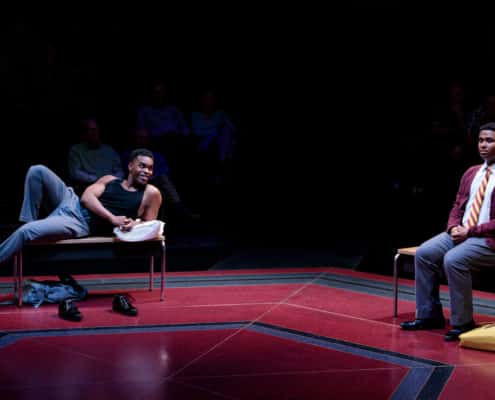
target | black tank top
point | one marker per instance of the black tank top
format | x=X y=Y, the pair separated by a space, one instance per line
x=118 y=201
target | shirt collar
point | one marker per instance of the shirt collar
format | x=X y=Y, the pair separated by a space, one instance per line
x=485 y=166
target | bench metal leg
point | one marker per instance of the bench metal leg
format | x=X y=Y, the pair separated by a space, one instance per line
x=19 y=278
x=15 y=271
x=152 y=270
x=396 y=283
x=16 y=282
x=162 y=281
x=18 y=274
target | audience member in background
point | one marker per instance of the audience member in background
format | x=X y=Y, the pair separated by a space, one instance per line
x=213 y=142
x=212 y=129
x=91 y=159
x=165 y=124
x=482 y=114
x=450 y=116
x=161 y=179
x=447 y=153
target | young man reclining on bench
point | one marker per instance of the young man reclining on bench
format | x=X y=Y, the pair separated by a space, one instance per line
x=109 y=202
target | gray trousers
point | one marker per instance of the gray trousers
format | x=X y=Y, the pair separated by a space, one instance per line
x=44 y=188
x=439 y=253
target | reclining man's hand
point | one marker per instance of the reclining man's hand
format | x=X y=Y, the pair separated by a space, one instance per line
x=121 y=221
x=129 y=225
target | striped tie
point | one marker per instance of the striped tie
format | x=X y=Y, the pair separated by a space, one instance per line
x=474 y=213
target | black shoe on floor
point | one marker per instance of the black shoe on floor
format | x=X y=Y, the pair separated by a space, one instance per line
x=122 y=305
x=68 y=310
x=67 y=279
x=423 y=324
x=454 y=333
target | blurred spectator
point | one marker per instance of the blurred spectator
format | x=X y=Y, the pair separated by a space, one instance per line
x=449 y=120
x=91 y=159
x=165 y=124
x=161 y=179
x=214 y=144
x=482 y=113
x=159 y=117
x=447 y=152
x=212 y=129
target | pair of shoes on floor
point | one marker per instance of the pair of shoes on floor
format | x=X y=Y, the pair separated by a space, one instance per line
x=423 y=324
x=457 y=330
x=122 y=305
x=437 y=323
x=67 y=310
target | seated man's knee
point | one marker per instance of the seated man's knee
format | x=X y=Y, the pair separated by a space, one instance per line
x=424 y=253
x=452 y=262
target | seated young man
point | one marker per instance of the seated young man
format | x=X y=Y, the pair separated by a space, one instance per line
x=467 y=243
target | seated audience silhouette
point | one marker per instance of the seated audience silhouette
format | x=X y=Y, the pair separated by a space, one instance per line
x=91 y=159
x=172 y=208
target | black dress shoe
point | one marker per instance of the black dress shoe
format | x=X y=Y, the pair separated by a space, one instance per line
x=122 y=305
x=68 y=310
x=423 y=324
x=67 y=279
x=454 y=333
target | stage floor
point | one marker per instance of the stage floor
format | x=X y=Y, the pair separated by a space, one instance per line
x=298 y=333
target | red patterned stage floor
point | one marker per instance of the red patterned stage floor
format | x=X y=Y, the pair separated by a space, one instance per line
x=313 y=333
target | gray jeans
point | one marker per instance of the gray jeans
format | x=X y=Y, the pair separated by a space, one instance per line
x=439 y=253
x=43 y=187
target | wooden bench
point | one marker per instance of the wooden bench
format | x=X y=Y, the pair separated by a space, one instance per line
x=91 y=248
x=405 y=251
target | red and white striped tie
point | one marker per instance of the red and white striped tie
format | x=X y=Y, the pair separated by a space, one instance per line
x=474 y=213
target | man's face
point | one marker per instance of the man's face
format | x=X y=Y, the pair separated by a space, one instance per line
x=486 y=146
x=141 y=170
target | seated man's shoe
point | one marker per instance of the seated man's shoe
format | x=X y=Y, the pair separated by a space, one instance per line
x=423 y=324
x=454 y=333
x=122 y=305
x=68 y=310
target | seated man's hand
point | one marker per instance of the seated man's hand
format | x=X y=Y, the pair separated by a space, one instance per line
x=459 y=233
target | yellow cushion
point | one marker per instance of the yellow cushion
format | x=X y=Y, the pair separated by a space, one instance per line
x=482 y=338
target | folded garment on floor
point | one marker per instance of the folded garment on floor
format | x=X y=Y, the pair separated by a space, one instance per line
x=37 y=292
x=482 y=338
x=144 y=231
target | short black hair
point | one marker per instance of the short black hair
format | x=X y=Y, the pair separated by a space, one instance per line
x=140 y=152
x=490 y=126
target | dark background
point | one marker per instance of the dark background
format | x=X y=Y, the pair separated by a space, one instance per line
x=331 y=105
